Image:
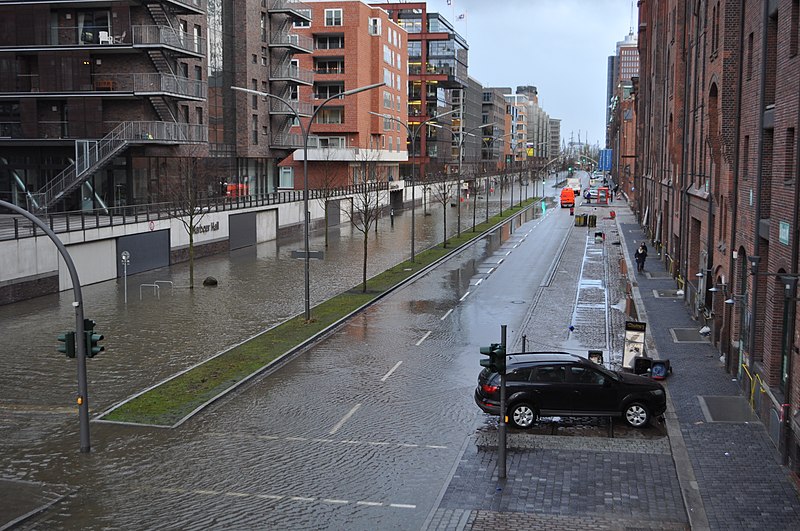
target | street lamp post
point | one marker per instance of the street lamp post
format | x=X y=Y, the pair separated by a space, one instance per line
x=462 y=136
x=305 y=129
x=412 y=132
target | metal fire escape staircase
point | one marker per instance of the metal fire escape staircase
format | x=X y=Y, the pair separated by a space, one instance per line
x=161 y=64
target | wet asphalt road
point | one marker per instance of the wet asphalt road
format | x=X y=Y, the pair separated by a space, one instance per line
x=323 y=442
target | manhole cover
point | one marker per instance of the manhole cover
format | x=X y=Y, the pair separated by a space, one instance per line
x=687 y=335
x=666 y=294
x=726 y=409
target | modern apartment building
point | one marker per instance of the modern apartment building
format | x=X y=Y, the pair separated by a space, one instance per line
x=538 y=141
x=437 y=63
x=517 y=127
x=103 y=102
x=96 y=98
x=555 y=137
x=355 y=45
x=493 y=111
x=717 y=154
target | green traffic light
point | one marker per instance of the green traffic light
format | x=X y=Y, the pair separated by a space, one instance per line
x=68 y=347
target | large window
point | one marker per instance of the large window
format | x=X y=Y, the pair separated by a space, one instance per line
x=329 y=65
x=326 y=90
x=333 y=17
x=329 y=42
x=91 y=23
x=331 y=115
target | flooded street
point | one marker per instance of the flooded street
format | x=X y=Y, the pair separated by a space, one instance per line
x=151 y=338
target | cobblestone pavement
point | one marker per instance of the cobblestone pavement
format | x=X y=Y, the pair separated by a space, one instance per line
x=694 y=474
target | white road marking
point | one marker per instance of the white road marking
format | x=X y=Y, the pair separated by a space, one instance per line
x=334 y=441
x=490 y=271
x=464 y=297
x=508 y=253
x=442 y=318
x=424 y=337
x=344 y=419
x=478 y=283
x=289 y=498
x=386 y=376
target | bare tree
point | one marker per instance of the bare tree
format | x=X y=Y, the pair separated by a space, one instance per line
x=328 y=184
x=188 y=188
x=443 y=193
x=367 y=201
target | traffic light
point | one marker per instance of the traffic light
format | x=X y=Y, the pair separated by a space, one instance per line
x=68 y=347
x=93 y=348
x=497 y=357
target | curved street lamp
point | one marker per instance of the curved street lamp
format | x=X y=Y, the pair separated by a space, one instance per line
x=305 y=130
x=462 y=137
x=412 y=132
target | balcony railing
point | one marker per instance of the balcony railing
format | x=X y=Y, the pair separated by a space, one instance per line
x=144 y=84
x=292 y=40
x=302 y=108
x=166 y=36
x=92 y=154
x=287 y=5
x=292 y=72
x=286 y=141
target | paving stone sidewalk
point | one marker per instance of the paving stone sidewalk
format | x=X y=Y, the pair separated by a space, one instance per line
x=704 y=475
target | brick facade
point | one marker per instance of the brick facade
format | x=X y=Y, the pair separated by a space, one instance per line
x=721 y=79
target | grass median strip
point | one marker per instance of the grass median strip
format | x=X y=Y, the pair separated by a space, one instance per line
x=174 y=399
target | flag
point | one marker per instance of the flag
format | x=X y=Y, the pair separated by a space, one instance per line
x=449 y=2
x=461 y=16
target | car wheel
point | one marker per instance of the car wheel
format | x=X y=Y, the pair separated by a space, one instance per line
x=637 y=415
x=522 y=415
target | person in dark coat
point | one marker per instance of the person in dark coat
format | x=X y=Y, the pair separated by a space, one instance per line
x=640 y=256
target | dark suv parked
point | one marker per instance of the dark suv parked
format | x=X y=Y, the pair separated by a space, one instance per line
x=567 y=385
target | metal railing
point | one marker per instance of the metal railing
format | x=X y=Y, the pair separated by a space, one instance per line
x=15 y=228
x=292 y=39
x=154 y=35
x=303 y=75
x=92 y=153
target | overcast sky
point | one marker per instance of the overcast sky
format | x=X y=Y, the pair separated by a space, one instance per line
x=559 y=46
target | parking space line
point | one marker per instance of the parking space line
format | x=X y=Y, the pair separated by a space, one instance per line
x=386 y=376
x=344 y=419
x=464 y=297
x=442 y=318
x=424 y=338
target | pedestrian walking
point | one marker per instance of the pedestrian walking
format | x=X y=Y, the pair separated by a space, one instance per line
x=640 y=256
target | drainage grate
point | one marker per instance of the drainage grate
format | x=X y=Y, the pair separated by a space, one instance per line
x=658 y=274
x=726 y=409
x=666 y=294
x=687 y=335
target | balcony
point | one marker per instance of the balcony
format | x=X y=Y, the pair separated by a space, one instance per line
x=147 y=84
x=297 y=43
x=286 y=141
x=187 y=7
x=289 y=7
x=160 y=36
x=279 y=107
x=301 y=76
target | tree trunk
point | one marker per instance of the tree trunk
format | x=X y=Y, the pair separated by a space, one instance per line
x=191 y=255
x=444 y=230
x=325 y=206
x=364 y=269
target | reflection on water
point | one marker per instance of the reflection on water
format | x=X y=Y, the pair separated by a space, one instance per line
x=151 y=338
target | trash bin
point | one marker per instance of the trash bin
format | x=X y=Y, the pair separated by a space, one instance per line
x=642 y=365
x=599 y=237
x=592 y=220
x=580 y=220
x=613 y=214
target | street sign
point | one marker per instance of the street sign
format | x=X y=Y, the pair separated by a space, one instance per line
x=604 y=164
x=311 y=254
